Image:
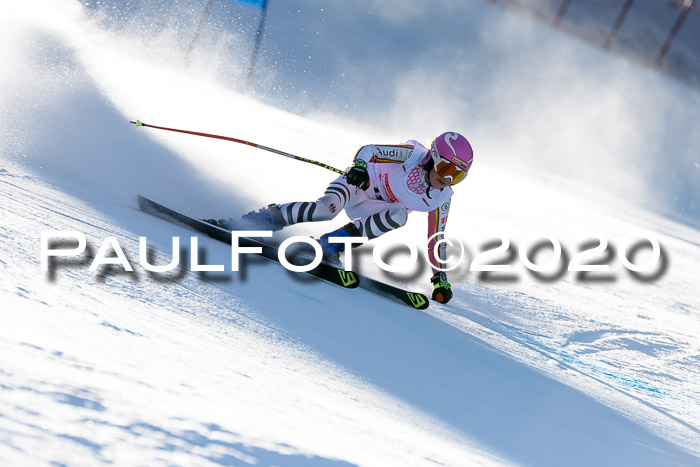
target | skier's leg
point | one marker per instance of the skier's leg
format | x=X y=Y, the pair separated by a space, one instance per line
x=373 y=218
x=276 y=217
x=371 y=226
x=325 y=208
x=379 y=223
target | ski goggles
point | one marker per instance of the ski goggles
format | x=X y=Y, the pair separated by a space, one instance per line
x=450 y=171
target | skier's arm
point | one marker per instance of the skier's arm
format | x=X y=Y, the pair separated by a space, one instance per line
x=358 y=174
x=364 y=154
x=407 y=154
x=437 y=220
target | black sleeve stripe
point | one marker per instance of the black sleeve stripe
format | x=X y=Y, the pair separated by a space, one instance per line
x=370 y=234
x=302 y=210
x=339 y=193
x=333 y=191
x=391 y=221
x=290 y=211
x=310 y=215
x=341 y=186
x=378 y=221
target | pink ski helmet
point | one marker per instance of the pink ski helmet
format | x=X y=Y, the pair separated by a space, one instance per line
x=452 y=156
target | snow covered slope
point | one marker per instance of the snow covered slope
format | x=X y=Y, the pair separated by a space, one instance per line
x=264 y=367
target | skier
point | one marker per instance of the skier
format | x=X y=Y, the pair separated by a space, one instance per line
x=384 y=184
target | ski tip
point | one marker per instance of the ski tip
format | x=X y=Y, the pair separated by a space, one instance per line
x=418 y=300
x=348 y=279
x=138 y=123
x=143 y=201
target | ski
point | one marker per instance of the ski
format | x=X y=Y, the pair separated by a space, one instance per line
x=326 y=272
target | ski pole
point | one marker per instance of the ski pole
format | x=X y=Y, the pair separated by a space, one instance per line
x=248 y=143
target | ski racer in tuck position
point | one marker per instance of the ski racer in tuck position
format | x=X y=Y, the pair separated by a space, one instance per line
x=384 y=184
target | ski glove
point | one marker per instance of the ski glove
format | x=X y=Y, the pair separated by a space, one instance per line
x=357 y=175
x=442 y=290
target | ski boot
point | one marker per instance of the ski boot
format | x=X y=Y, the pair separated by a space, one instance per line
x=331 y=251
x=269 y=218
